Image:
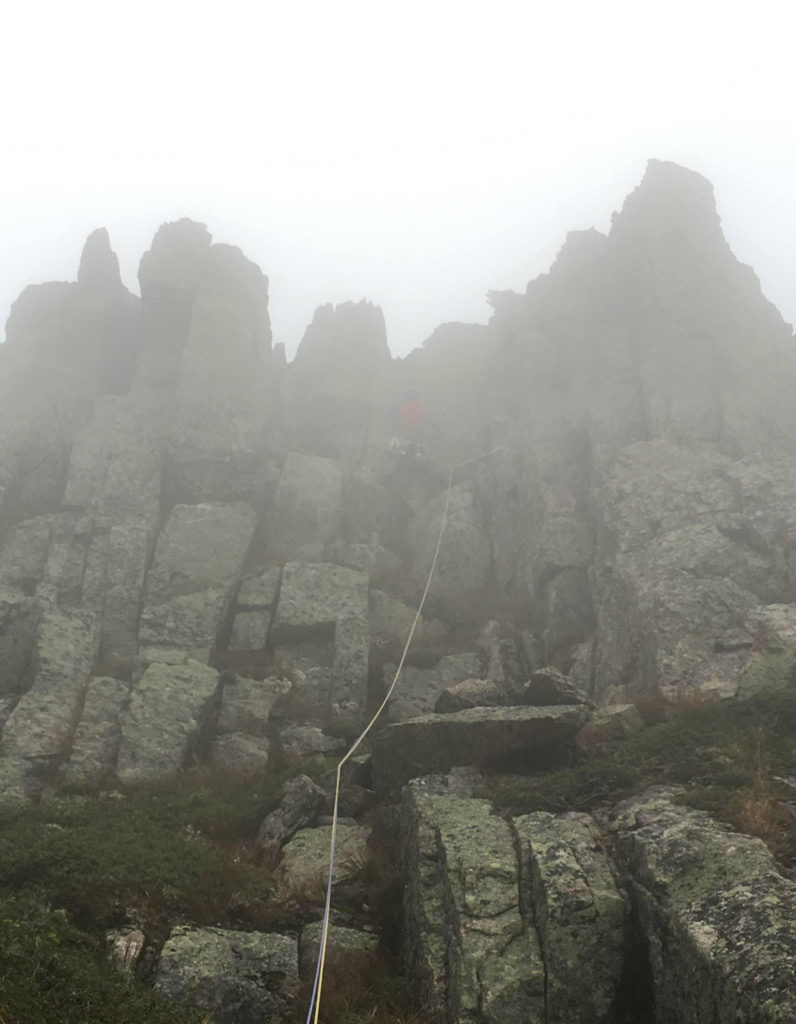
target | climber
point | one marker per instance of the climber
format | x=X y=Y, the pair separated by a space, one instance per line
x=407 y=441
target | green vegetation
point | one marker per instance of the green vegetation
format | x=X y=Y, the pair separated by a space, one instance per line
x=71 y=869
x=53 y=973
x=728 y=756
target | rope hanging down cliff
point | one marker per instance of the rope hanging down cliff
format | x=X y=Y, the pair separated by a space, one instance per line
x=317 y=988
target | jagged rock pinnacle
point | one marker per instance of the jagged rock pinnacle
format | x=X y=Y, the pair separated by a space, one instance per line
x=99 y=264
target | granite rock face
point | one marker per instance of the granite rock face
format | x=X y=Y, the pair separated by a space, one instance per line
x=466 y=946
x=209 y=554
x=322 y=623
x=571 y=894
x=718 y=915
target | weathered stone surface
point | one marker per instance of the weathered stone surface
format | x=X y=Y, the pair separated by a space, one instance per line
x=18 y=782
x=348 y=947
x=470 y=693
x=570 y=894
x=124 y=570
x=377 y=561
x=18 y=617
x=547 y=686
x=235 y=977
x=304 y=867
x=461 y=576
x=336 y=379
x=259 y=591
x=198 y=557
x=308 y=510
x=540 y=737
x=609 y=723
x=391 y=620
x=565 y=544
x=773 y=666
x=200 y=545
x=250 y=630
x=689 y=567
x=317 y=600
x=42 y=723
x=24 y=553
x=720 y=920
x=125 y=948
x=217 y=442
x=301 y=804
x=116 y=460
x=96 y=741
x=466 y=947
x=168 y=708
x=569 y=612
x=506 y=662
x=298 y=741
x=242 y=754
x=419 y=688
x=246 y=703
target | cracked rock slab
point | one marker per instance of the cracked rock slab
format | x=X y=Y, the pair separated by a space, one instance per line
x=466 y=947
x=719 y=918
x=168 y=708
x=569 y=891
x=536 y=737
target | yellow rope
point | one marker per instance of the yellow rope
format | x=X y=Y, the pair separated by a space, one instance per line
x=319 y=973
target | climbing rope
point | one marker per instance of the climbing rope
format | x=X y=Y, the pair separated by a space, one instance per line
x=317 y=988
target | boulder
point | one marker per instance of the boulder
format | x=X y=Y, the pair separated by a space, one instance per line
x=570 y=894
x=170 y=706
x=470 y=693
x=538 y=738
x=300 y=741
x=419 y=689
x=125 y=948
x=607 y=724
x=237 y=977
x=303 y=800
x=719 y=918
x=547 y=686
x=304 y=868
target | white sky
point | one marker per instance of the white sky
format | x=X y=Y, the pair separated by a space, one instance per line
x=412 y=153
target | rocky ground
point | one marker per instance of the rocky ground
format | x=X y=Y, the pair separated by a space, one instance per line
x=580 y=803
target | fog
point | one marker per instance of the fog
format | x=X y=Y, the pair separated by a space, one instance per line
x=414 y=154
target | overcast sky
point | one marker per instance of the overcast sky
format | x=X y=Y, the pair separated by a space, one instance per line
x=415 y=153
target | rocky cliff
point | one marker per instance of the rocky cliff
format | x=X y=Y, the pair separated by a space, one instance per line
x=210 y=559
